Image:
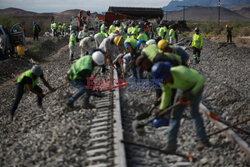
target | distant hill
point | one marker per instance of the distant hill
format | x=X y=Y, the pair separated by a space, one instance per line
x=243 y=10
x=200 y=13
x=172 y=6
x=15 y=12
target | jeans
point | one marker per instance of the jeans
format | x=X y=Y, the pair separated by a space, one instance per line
x=19 y=95
x=196 y=118
x=81 y=90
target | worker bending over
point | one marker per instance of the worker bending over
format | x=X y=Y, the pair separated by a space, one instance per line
x=78 y=74
x=189 y=84
x=28 y=81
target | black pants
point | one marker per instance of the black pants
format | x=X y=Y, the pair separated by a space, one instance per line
x=19 y=95
x=35 y=36
x=198 y=51
x=229 y=38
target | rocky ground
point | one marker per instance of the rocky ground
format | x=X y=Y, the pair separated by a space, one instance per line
x=60 y=138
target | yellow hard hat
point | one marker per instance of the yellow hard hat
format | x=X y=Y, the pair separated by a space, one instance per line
x=226 y=26
x=162 y=44
x=117 y=40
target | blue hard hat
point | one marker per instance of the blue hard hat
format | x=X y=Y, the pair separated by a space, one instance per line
x=161 y=70
x=139 y=43
x=160 y=122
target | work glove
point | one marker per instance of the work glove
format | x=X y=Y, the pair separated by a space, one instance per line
x=157 y=102
x=187 y=96
x=157 y=113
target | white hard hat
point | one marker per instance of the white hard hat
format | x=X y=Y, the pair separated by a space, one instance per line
x=98 y=58
x=150 y=42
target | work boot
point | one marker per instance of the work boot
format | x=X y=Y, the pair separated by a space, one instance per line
x=200 y=146
x=98 y=94
x=88 y=105
x=11 y=118
x=70 y=105
x=170 y=149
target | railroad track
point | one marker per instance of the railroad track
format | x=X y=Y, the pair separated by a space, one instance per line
x=112 y=124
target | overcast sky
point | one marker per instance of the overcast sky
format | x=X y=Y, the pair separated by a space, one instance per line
x=92 y=5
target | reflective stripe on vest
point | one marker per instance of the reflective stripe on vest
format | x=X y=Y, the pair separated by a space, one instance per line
x=171 y=33
x=84 y=63
x=151 y=51
x=28 y=74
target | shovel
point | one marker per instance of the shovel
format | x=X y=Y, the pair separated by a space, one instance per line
x=62 y=85
x=139 y=128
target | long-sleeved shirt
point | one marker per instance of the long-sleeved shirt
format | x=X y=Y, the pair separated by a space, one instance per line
x=185 y=79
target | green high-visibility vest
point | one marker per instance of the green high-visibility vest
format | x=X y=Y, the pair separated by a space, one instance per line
x=132 y=42
x=53 y=26
x=103 y=28
x=197 y=41
x=28 y=74
x=102 y=35
x=174 y=56
x=84 y=63
x=142 y=36
x=171 y=33
x=72 y=40
x=59 y=28
x=151 y=51
x=111 y=29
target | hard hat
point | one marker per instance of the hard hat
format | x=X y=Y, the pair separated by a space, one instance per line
x=226 y=26
x=117 y=40
x=160 y=122
x=116 y=32
x=196 y=29
x=151 y=42
x=138 y=44
x=37 y=70
x=162 y=44
x=161 y=70
x=98 y=58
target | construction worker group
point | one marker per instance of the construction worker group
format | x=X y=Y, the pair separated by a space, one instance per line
x=133 y=49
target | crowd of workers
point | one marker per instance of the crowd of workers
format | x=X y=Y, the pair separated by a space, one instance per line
x=136 y=47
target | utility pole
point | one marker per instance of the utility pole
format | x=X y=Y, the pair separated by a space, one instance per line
x=219 y=5
x=183 y=11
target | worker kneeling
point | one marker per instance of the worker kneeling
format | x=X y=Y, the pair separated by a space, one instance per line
x=189 y=84
x=78 y=74
x=28 y=81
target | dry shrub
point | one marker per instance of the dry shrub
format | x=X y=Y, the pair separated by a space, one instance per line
x=245 y=31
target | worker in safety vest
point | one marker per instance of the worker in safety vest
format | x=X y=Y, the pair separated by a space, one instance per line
x=197 y=44
x=142 y=35
x=189 y=84
x=64 y=29
x=59 y=29
x=84 y=33
x=78 y=76
x=27 y=81
x=53 y=27
x=229 y=33
x=171 y=34
x=72 y=44
x=99 y=37
x=111 y=28
x=133 y=31
x=151 y=55
x=163 y=46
